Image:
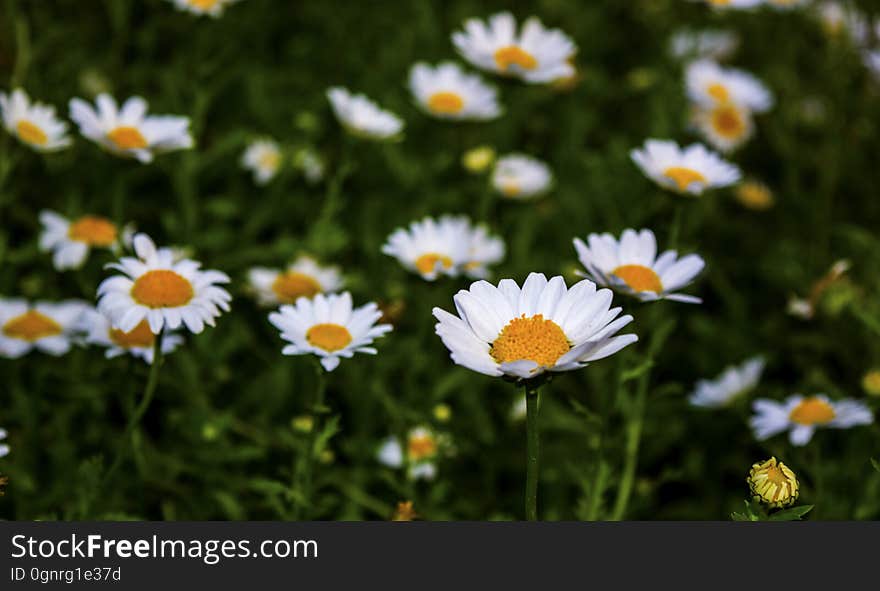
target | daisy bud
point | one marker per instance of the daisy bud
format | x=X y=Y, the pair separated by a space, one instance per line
x=773 y=483
x=478 y=160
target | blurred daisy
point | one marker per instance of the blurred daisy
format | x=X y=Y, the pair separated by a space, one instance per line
x=725 y=126
x=703 y=44
x=709 y=84
x=523 y=332
x=731 y=4
x=447 y=92
x=801 y=416
x=518 y=176
x=302 y=278
x=309 y=162
x=633 y=267
x=362 y=117
x=871 y=382
x=872 y=62
x=690 y=170
x=536 y=55
x=478 y=160
x=731 y=384
x=754 y=195
x=484 y=250
x=838 y=19
x=71 y=240
x=328 y=326
x=128 y=131
x=212 y=8
x=422 y=450
x=773 y=483
x=138 y=342
x=164 y=291
x=47 y=327
x=4 y=448
x=34 y=124
x=263 y=158
x=786 y=4
x=432 y=247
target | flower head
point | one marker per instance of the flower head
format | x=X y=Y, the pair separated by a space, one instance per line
x=213 y=8
x=71 y=240
x=633 y=267
x=688 y=171
x=731 y=4
x=302 y=278
x=328 y=326
x=47 y=327
x=164 y=291
x=362 y=117
x=754 y=195
x=137 y=342
x=518 y=176
x=703 y=44
x=263 y=158
x=725 y=126
x=33 y=124
x=773 y=483
x=128 y=131
x=734 y=382
x=448 y=92
x=478 y=160
x=419 y=453
x=533 y=54
x=4 y=448
x=801 y=416
x=523 y=332
x=871 y=382
x=709 y=84
x=404 y=512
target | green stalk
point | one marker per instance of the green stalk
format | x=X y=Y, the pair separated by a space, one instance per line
x=532 y=451
x=307 y=462
x=633 y=438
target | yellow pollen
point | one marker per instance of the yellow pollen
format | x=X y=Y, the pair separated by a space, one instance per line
x=446 y=103
x=512 y=55
x=30 y=133
x=421 y=447
x=728 y=122
x=31 y=326
x=812 y=411
x=427 y=263
x=639 y=278
x=718 y=92
x=203 y=4
x=292 y=285
x=127 y=138
x=329 y=337
x=534 y=339
x=93 y=230
x=683 y=177
x=162 y=289
x=139 y=336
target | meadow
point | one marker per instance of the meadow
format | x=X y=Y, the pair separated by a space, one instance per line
x=236 y=430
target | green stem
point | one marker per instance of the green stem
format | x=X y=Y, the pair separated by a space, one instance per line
x=633 y=438
x=532 y=452
x=675 y=230
x=309 y=457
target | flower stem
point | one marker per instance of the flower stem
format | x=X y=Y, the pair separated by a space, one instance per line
x=633 y=438
x=308 y=459
x=532 y=452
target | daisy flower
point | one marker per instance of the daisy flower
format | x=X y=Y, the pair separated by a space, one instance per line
x=518 y=176
x=690 y=170
x=754 y=195
x=837 y=19
x=484 y=250
x=786 y=4
x=731 y=4
x=447 y=92
x=801 y=416
x=534 y=54
x=309 y=162
x=773 y=483
x=523 y=332
x=302 y=278
x=263 y=158
x=328 y=327
x=47 y=327
x=129 y=132
x=703 y=44
x=71 y=240
x=164 y=291
x=137 y=342
x=34 y=124
x=362 y=117
x=725 y=126
x=432 y=247
x=213 y=8
x=633 y=267
x=730 y=385
x=422 y=450
x=4 y=448
x=709 y=84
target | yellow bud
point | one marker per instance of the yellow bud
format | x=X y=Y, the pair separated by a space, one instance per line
x=754 y=195
x=302 y=423
x=871 y=382
x=479 y=159
x=442 y=413
x=773 y=483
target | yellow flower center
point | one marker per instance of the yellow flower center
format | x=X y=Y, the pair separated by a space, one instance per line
x=93 y=230
x=162 y=289
x=812 y=411
x=446 y=103
x=639 y=278
x=510 y=189
x=728 y=122
x=534 y=339
x=754 y=195
x=204 y=4
x=292 y=285
x=139 y=336
x=127 y=138
x=329 y=337
x=421 y=447
x=718 y=92
x=427 y=263
x=513 y=55
x=30 y=133
x=683 y=177
x=31 y=326
x=871 y=382
x=270 y=160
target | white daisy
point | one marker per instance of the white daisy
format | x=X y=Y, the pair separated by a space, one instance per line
x=4 y=448
x=536 y=55
x=710 y=84
x=447 y=92
x=786 y=4
x=730 y=385
x=633 y=267
x=691 y=170
x=518 y=176
x=213 y=8
x=328 y=327
x=422 y=449
x=302 y=278
x=129 y=131
x=310 y=163
x=138 y=342
x=731 y=4
x=726 y=126
x=703 y=44
x=484 y=250
x=801 y=416
x=362 y=117
x=34 y=124
x=871 y=60
x=432 y=247
x=165 y=291
x=47 y=327
x=837 y=19
x=263 y=158
x=71 y=240
x=544 y=326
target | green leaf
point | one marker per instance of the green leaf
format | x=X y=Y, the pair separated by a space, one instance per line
x=793 y=514
x=876 y=464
